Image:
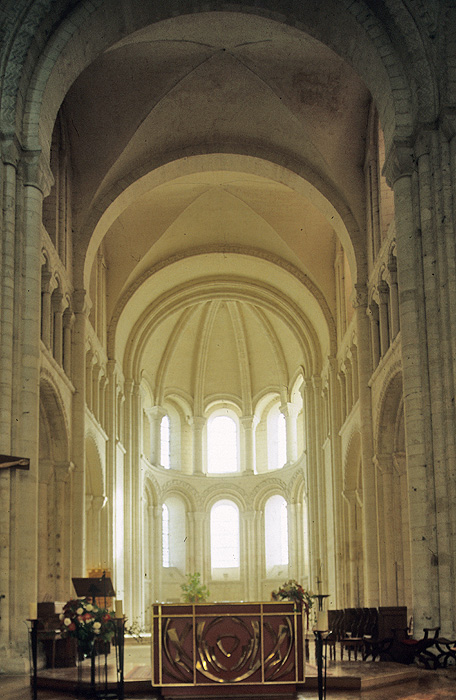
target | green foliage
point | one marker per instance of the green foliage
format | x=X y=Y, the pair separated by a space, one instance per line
x=193 y=590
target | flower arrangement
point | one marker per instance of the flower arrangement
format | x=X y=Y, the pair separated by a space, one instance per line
x=292 y=590
x=86 y=622
x=193 y=590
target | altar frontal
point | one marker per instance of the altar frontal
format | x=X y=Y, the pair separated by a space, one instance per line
x=254 y=648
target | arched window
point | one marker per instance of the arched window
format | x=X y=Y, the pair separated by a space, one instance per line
x=276 y=536
x=222 y=445
x=277 y=438
x=225 y=554
x=173 y=533
x=165 y=442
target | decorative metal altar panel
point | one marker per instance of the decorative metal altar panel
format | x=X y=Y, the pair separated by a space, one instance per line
x=227 y=643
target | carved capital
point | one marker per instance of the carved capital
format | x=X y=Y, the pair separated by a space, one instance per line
x=68 y=318
x=36 y=171
x=399 y=162
x=81 y=302
x=360 y=297
x=383 y=463
x=10 y=151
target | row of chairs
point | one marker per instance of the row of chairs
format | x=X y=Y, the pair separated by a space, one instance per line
x=382 y=633
x=357 y=629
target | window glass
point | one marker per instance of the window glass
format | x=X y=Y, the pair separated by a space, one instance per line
x=224 y=535
x=276 y=534
x=174 y=533
x=164 y=442
x=222 y=447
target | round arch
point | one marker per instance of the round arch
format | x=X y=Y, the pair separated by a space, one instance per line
x=390 y=415
x=84 y=33
x=53 y=421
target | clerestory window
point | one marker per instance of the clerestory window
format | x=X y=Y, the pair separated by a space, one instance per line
x=165 y=442
x=222 y=444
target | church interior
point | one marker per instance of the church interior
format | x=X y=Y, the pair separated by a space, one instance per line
x=228 y=268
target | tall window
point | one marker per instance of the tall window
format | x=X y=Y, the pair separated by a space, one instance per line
x=174 y=534
x=165 y=442
x=276 y=535
x=222 y=445
x=225 y=554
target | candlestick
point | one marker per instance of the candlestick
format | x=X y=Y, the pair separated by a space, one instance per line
x=322 y=621
x=119 y=608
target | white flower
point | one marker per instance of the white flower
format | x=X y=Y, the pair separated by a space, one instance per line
x=79 y=611
x=96 y=625
x=89 y=607
x=67 y=621
x=61 y=616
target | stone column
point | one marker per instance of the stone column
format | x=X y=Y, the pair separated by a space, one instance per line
x=372 y=312
x=342 y=403
x=23 y=183
x=383 y=293
x=133 y=540
x=96 y=374
x=415 y=327
x=388 y=531
x=355 y=372
x=46 y=308
x=348 y=385
x=290 y=411
x=89 y=380
x=314 y=438
x=199 y=545
x=370 y=535
x=250 y=562
x=81 y=306
x=394 y=298
x=111 y=462
x=248 y=461
x=155 y=415
x=351 y=583
x=158 y=552
x=57 y=335
x=198 y=423
x=68 y=321
x=62 y=530
x=293 y=541
x=330 y=487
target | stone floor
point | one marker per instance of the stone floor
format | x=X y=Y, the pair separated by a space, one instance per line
x=417 y=684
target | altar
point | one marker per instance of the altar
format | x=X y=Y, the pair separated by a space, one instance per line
x=227 y=649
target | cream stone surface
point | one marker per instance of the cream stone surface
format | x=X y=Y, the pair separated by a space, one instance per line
x=227 y=209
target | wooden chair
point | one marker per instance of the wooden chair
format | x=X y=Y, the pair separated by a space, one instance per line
x=335 y=624
x=352 y=640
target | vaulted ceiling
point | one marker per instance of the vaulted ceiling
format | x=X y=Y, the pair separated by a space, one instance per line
x=189 y=137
